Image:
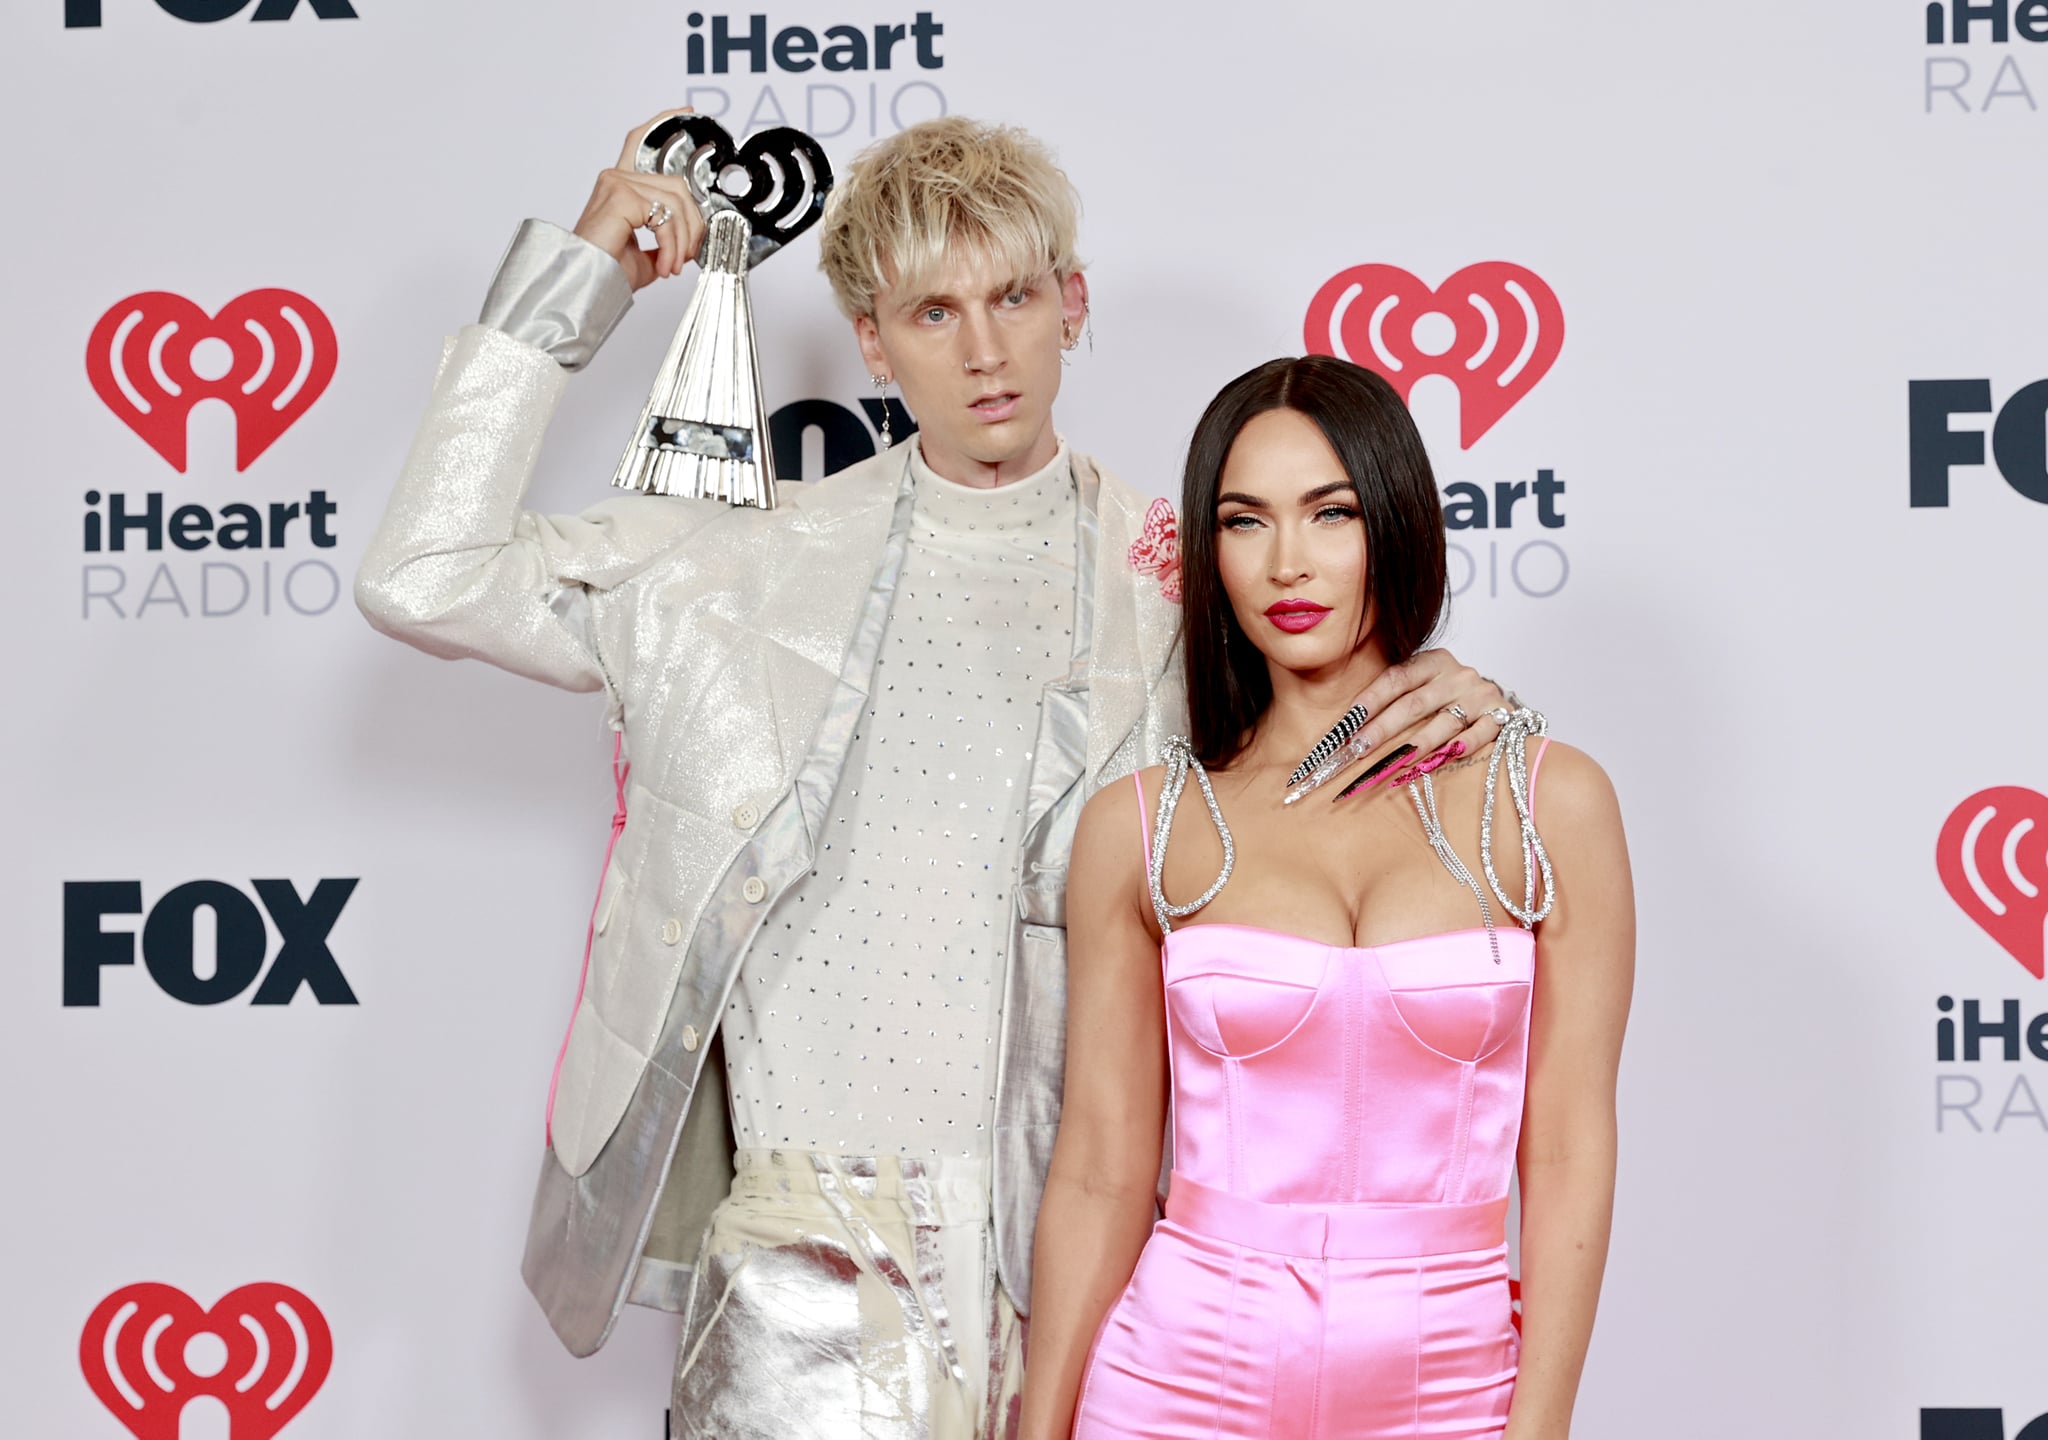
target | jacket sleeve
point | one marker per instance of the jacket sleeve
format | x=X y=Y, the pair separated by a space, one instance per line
x=457 y=567
x=558 y=293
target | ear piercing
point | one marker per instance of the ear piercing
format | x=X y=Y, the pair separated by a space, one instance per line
x=882 y=390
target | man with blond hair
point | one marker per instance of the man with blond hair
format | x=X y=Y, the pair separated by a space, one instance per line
x=809 y=1093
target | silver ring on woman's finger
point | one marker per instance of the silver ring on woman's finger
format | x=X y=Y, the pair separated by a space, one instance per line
x=1499 y=715
x=658 y=215
x=1455 y=711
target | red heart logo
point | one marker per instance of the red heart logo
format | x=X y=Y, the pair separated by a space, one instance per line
x=1993 y=857
x=263 y=1352
x=282 y=353
x=1499 y=333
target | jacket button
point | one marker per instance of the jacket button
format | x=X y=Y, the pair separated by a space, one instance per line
x=671 y=930
x=746 y=817
x=754 y=890
x=689 y=1037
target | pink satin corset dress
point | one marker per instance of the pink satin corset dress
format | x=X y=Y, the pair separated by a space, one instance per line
x=1332 y=1264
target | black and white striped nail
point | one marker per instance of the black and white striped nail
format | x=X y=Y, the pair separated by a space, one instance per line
x=1346 y=726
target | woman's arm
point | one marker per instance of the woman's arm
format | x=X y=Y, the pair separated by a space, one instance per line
x=1100 y=1192
x=1585 y=966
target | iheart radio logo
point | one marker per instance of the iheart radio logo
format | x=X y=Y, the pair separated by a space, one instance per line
x=1493 y=330
x=263 y=1352
x=280 y=354
x=1993 y=857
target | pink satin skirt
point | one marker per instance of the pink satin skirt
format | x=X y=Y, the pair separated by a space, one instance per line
x=1214 y=1337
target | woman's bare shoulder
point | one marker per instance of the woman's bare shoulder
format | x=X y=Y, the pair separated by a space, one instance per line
x=1571 y=790
x=1111 y=815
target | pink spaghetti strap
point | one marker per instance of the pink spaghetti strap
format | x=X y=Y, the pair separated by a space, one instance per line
x=1144 y=821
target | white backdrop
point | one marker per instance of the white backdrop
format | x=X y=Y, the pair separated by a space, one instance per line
x=1760 y=224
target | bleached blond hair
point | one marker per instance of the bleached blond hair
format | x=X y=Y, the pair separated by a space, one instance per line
x=911 y=204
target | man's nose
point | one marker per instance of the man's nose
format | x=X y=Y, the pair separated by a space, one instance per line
x=981 y=347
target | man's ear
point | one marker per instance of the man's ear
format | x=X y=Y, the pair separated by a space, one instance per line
x=1074 y=303
x=869 y=335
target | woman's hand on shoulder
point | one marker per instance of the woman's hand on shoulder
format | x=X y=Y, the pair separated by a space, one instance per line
x=1436 y=706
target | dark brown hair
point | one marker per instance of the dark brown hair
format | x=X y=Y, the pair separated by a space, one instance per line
x=1376 y=442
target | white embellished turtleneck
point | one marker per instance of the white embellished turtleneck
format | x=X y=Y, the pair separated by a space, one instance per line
x=864 y=1018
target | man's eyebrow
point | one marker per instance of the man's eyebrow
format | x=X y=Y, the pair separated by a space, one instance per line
x=952 y=302
x=1011 y=286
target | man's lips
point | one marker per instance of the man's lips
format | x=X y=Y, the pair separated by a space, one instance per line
x=1295 y=616
x=993 y=409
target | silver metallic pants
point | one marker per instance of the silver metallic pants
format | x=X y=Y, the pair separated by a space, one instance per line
x=840 y=1297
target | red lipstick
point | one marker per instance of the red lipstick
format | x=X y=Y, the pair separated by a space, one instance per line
x=1295 y=616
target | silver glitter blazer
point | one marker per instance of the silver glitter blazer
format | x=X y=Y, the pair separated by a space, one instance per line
x=735 y=646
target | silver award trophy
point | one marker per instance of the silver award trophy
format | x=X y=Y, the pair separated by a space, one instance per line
x=704 y=432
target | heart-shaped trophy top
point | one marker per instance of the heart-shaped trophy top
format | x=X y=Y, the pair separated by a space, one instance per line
x=787 y=174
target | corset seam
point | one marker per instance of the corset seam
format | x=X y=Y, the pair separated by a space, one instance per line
x=1461 y=1149
x=1234 y=1124
x=1354 y=1007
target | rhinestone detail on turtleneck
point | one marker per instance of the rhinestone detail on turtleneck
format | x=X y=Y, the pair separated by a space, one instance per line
x=864 y=1018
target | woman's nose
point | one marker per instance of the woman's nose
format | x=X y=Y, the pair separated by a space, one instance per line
x=1289 y=562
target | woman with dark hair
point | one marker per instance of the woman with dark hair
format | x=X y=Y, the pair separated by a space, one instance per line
x=1376 y=1023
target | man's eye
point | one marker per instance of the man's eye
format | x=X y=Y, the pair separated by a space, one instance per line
x=1016 y=297
x=934 y=315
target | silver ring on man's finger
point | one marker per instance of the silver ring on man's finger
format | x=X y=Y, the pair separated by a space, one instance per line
x=1455 y=711
x=658 y=215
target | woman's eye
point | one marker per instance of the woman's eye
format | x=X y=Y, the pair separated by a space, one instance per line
x=1336 y=514
x=1240 y=521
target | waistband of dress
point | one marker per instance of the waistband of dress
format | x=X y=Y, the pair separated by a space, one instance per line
x=1357 y=1232
x=953 y=1181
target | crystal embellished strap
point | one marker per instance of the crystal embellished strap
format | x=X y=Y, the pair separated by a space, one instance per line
x=1522 y=723
x=1180 y=758
x=1423 y=792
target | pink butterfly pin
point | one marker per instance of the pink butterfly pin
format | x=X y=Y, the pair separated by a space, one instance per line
x=1156 y=551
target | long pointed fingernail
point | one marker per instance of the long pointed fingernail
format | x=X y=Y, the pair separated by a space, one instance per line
x=1378 y=768
x=1346 y=726
x=1437 y=760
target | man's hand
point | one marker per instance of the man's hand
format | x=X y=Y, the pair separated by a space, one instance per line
x=1421 y=691
x=621 y=203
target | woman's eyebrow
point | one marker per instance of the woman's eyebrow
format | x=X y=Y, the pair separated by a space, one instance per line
x=1309 y=497
x=1242 y=499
